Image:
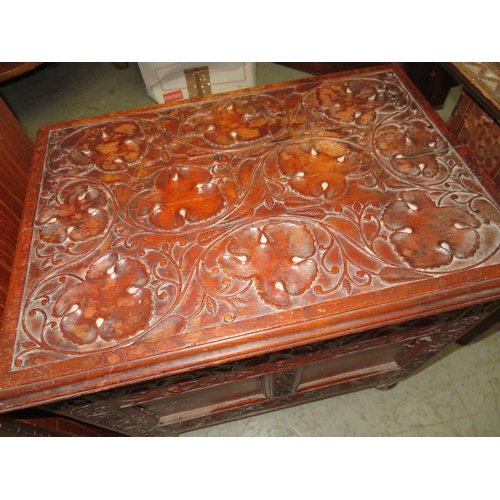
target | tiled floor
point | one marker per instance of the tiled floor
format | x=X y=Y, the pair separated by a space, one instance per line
x=458 y=394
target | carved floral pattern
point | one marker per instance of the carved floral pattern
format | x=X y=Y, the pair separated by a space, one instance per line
x=111 y=303
x=111 y=147
x=351 y=101
x=412 y=149
x=237 y=121
x=252 y=253
x=78 y=217
x=181 y=195
x=428 y=236
x=187 y=218
x=319 y=168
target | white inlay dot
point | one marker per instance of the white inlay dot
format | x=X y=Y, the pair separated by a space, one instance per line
x=99 y=322
x=279 y=286
x=411 y=206
x=73 y=308
x=263 y=239
x=242 y=258
x=324 y=185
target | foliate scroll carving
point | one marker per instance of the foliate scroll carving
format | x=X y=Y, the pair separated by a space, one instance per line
x=98 y=307
x=428 y=236
x=200 y=215
x=251 y=257
x=181 y=196
x=236 y=122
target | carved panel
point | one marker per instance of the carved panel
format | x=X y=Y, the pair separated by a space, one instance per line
x=202 y=215
x=422 y=339
x=289 y=361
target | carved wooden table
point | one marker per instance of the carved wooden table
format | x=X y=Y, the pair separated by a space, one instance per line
x=188 y=264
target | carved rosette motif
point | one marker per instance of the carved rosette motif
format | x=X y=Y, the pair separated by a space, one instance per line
x=180 y=215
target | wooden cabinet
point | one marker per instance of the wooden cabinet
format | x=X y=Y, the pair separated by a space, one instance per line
x=191 y=263
x=476 y=118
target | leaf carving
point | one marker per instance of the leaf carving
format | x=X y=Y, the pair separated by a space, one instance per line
x=240 y=303
x=311 y=212
x=212 y=306
x=295 y=201
x=251 y=255
x=487 y=210
x=347 y=287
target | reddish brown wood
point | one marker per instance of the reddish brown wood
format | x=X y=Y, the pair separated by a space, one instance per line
x=482 y=81
x=479 y=132
x=39 y=423
x=258 y=238
x=12 y=69
x=429 y=77
x=15 y=158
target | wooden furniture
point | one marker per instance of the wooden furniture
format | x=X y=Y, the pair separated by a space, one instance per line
x=192 y=263
x=476 y=123
x=476 y=119
x=15 y=158
x=429 y=77
x=12 y=69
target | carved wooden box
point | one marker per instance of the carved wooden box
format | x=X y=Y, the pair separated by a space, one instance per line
x=186 y=264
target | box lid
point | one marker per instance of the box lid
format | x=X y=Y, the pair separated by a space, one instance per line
x=181 y=236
